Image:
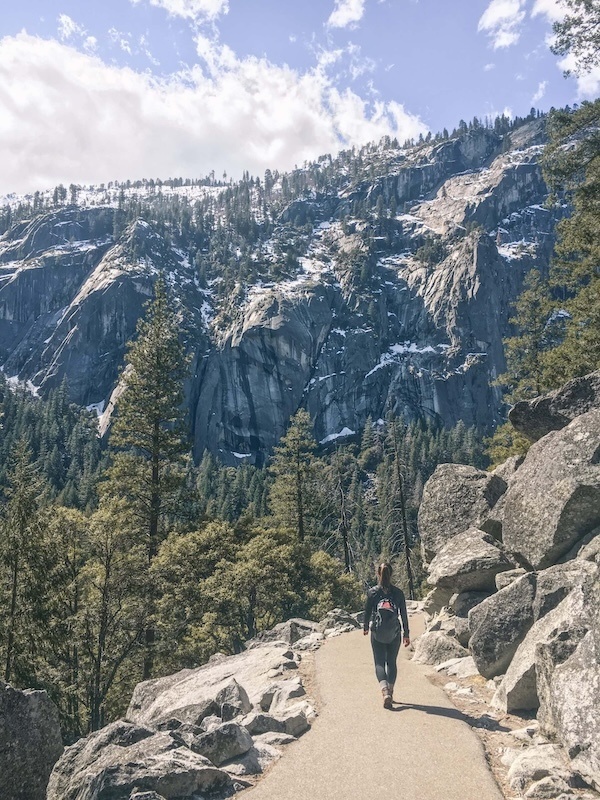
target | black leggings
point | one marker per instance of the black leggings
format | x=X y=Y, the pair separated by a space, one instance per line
x=385 y=656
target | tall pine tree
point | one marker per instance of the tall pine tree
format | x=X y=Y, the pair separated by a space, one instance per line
x=148 y=439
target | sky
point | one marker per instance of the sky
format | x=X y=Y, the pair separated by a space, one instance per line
x=114 y=89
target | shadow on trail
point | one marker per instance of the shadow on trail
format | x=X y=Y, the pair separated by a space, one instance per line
x=484 y=721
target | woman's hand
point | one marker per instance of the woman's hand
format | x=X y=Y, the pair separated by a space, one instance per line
x=406 y=641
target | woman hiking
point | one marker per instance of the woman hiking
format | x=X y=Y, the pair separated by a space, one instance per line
x=384 y=603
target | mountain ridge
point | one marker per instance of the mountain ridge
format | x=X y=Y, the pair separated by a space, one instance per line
x=382 y=284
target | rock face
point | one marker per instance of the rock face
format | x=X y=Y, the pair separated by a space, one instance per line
x=556 y=499
x=555 y=410
x=435 y=647
x=423 y=336
x=469 y=562
x=455 y=498
x=30 y=743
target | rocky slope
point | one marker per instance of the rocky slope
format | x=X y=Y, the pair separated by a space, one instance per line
x=206 y=731
x=395 y=304
x=520 y=603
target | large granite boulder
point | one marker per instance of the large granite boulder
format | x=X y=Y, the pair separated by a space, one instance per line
x=518 y=689
x=499 y=624
x=30 y=743
x=456 y=497
x=435 y=647
x=554 y=499
x=122 y=758
x=469 y=562
x=569 y=703
x=555 y=410
x=193 y=694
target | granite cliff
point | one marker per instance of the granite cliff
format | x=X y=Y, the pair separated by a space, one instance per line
x=396 y=294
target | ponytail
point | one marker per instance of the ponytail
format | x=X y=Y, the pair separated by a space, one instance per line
x=384 y=575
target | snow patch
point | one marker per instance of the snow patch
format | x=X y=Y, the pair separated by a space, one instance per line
x=333 y=436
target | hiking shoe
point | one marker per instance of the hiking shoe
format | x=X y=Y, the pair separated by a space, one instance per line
x=387 y=701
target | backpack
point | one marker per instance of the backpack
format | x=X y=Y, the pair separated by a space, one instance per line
x=386 y=625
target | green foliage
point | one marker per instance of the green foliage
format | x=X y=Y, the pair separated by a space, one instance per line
x=432 y=252
x=148 y=436
x=504 y=443
x=294 y=489
x=524 y=377
x=578 y=34
x=62 y=438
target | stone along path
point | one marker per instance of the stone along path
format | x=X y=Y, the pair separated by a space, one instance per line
x=422 y=749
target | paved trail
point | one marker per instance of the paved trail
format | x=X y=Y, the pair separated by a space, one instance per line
x=356 y=750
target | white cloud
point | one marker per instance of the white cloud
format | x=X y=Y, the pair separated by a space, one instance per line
x=346 y=12
x=67 y=27
x=588 y=84
x=540 y=92
x=502 y=20
x=489 y=67
x=66 y=116
x=120 y=39
x=552 y=9
x=191 y=9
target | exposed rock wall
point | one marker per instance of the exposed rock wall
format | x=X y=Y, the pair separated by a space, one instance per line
x=418 y=337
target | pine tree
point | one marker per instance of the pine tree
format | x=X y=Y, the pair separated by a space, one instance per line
x=524 y=377
x=148 y=437
x=293 y=491
x=21 y=552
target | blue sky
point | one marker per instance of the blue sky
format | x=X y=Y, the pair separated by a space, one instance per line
x=91 y=92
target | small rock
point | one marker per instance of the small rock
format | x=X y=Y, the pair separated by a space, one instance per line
x=550 y=787
x=223 y=743
x=536 y=763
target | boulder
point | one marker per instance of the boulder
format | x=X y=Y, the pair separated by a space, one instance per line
x=456 y=497
x=459 y=667
x=255 y=761
x=552 y=786
x=290 y=631
x=257 y=723
x=336 y=621
x=499 y=624
x=435 y=647
x=555 y=410
x=554 y=499
x=233 y=701
x=536 y=763
x=507 y=470
x=223 y=742
x=279 y=694
x=30 y=742
x=311 y=642
x=555 y=583
x=518 y=689
x=504 y=579
x=569 y=703
x=274 y=739
x=469 y=562
x=463 y=602
x=461 y=630
x=435 y=601
x=295 y=720
x=123 y=758
x=193 y=694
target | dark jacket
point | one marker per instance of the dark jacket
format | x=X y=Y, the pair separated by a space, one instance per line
x=375 y=594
